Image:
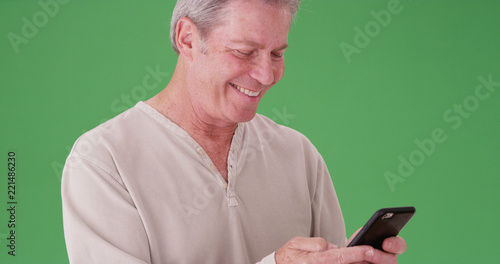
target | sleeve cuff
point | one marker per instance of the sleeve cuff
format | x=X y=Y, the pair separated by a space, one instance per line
x=268 y=260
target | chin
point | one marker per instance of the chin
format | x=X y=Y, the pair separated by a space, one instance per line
x=245 y=117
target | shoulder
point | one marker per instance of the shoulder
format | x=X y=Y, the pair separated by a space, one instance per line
x=105 y=132
x=104 y=143
x=288 y=149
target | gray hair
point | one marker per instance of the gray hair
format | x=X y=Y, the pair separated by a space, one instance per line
x=206 y=15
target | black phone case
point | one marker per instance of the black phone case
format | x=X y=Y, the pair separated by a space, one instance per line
x=380 y=227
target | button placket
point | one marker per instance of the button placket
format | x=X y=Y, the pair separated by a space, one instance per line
x=201 y=151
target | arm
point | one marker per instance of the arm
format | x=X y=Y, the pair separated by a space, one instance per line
x=318 y=250
x=101 y=223
x=328 y=223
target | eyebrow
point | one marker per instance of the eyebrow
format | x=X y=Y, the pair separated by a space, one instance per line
x=255 y=44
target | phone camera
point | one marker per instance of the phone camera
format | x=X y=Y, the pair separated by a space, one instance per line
x=388 y=216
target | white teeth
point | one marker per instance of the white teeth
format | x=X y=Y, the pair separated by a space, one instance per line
x=245 y=91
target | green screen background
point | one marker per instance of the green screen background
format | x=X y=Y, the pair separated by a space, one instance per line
x=86 y=60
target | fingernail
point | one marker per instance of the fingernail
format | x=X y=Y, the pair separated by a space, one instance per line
x=369 y=254
x=390 y=245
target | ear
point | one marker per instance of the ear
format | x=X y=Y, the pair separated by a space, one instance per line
x=186 y=37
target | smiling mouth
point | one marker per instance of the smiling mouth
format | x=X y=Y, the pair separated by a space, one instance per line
x=245 y=91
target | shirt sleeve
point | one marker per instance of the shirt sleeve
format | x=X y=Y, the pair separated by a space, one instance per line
x=268 y=260
x=101 y=222
x=328 y=221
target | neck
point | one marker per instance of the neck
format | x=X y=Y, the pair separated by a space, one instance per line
x=174 y=103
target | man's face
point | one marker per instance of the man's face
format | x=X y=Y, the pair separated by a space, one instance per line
x=244 y=58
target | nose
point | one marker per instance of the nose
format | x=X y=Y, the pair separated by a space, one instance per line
x=263 y=70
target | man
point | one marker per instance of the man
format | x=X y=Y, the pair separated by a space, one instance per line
x=193 y=175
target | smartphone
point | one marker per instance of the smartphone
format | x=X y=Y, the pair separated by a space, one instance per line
x=386 y=222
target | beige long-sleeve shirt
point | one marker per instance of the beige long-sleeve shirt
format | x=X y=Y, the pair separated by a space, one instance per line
x=139 y=189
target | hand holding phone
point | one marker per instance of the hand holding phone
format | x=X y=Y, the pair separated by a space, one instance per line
x=386 y=222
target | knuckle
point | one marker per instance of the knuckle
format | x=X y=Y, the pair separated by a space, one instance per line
x=294 y=241
x=320 y=242
x=340 y=258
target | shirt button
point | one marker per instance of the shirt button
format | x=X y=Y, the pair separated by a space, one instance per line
x=233 y=201
x=212 y=167
x=201 y=152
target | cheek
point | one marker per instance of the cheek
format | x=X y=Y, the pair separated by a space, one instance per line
x=233 y=67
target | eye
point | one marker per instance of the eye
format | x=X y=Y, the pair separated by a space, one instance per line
x=244 y=53
x=277 y=55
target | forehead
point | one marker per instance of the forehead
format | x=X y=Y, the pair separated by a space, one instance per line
x=254 y=21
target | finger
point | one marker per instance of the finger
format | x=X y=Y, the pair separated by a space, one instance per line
x=381 y=257
x=353 y=236
x=361 y=254
x=396 y=245
x=309 y=244
x=356 y=254
x=332 y=246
